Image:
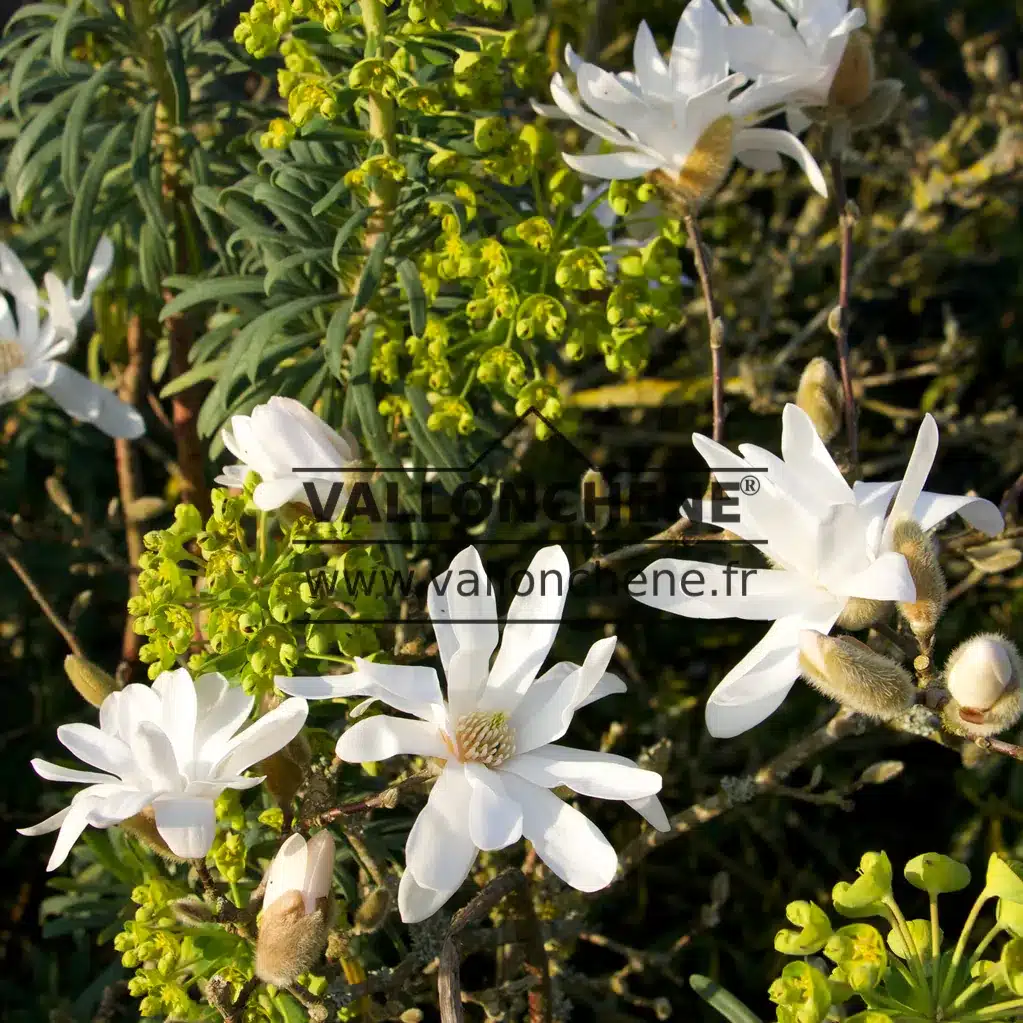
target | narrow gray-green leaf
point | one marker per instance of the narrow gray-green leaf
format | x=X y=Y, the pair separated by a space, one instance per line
x=74 y=128
x=218 y=289
x=347 y=229
x=175 y=63
x=724 y=1001
x=61 y=33
x=372 y=271
x=408 y=277
x=330 y=198
x=84 y=207
x=337 y=331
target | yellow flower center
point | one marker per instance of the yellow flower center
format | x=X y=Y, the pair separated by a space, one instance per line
x=483 y=737
x=11 y=357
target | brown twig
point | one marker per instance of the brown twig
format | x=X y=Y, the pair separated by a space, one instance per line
x=239 y=920
x=386 y=800
x=37 y=595
x=219 y=996
x=846 y=221
x=511 y=882
x=845 y=722
x=714 y=322
x=134 y=384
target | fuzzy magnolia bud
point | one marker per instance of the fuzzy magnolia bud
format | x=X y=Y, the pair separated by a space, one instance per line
x=94 y=685
x=296 y=909
x=879 y=105
x=851 y=673
x=862 y=612
x=855 y=75
x=921 y=553
x=143 y=827
x=820 y=397
x=370 y=916
x=983 y=678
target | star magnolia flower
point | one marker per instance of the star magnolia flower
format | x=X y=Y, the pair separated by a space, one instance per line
x=829 y=544
x=29 y=352
x=496 y=733
x=170 y=746
x=797 y=46
x=685 y=120
x=289 y=446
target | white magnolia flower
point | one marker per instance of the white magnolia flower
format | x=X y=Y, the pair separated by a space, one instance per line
x=828 y=543
x=29 y=350
x=171 y=746
x=289 y=446
x=686 y=118
x=497 y=734
x=303 y=867
x=796 y=46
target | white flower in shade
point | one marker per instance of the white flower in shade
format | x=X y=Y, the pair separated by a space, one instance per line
x=686 y=119
x=29 y=350
x=795 y=46
x=829 y=545
x=289 y=446
x=173 y=746
x=497 y=734
x=296 y=909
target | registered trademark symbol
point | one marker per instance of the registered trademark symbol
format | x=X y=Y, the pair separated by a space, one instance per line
x=749 y=485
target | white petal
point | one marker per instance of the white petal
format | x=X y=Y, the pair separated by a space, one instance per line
x=416 y=903
x=439 y=844
x=62 y=324
x=75 y=821
x=99 y=267
x=805 y=452
x=118 y=806
x=180 y=705
x=568 y=842
x=95 y=748
x=913 y=480
x=221 y=710
x=886 y=578
x=380 y=737
x=613 y=166
x=839 y=546
x=532 y=624
x=495 y=818
x=698 y=589
x=931 y=510
x=319 y=874
x=550 y=720
x=271 y=494
x=14 y=278
x=80 y=397
x=651 y=70
x=134 y=704
x=408 y=688
x=51 y=823
x=773 y=139
x=8 y=325
x=570 y=106
x=796 y=121
x=270 y=733
x=754 y=50
x=188 y=825
x=755 y=688
x=652 y=812
x=287 y=870
x=54 y=772
x=463 y=611
x=154 y=758
x=588 y=772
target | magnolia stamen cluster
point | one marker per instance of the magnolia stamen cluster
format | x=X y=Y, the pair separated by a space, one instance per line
x=484 y=738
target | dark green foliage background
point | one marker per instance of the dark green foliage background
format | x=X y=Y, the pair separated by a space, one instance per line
x=949 y=293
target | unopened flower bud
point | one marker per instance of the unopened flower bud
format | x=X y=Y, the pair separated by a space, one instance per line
x=855 y=75
x=94 y=685
x=370 y=916
x=983 y=678
x=820 y=397
x=879 y=105
x=143 y=827
x=851 y=673
x=921 y=553
x=296 y=909
x=412 y=1016
x=862 y=612
x=704 y=170
x=594 y=494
